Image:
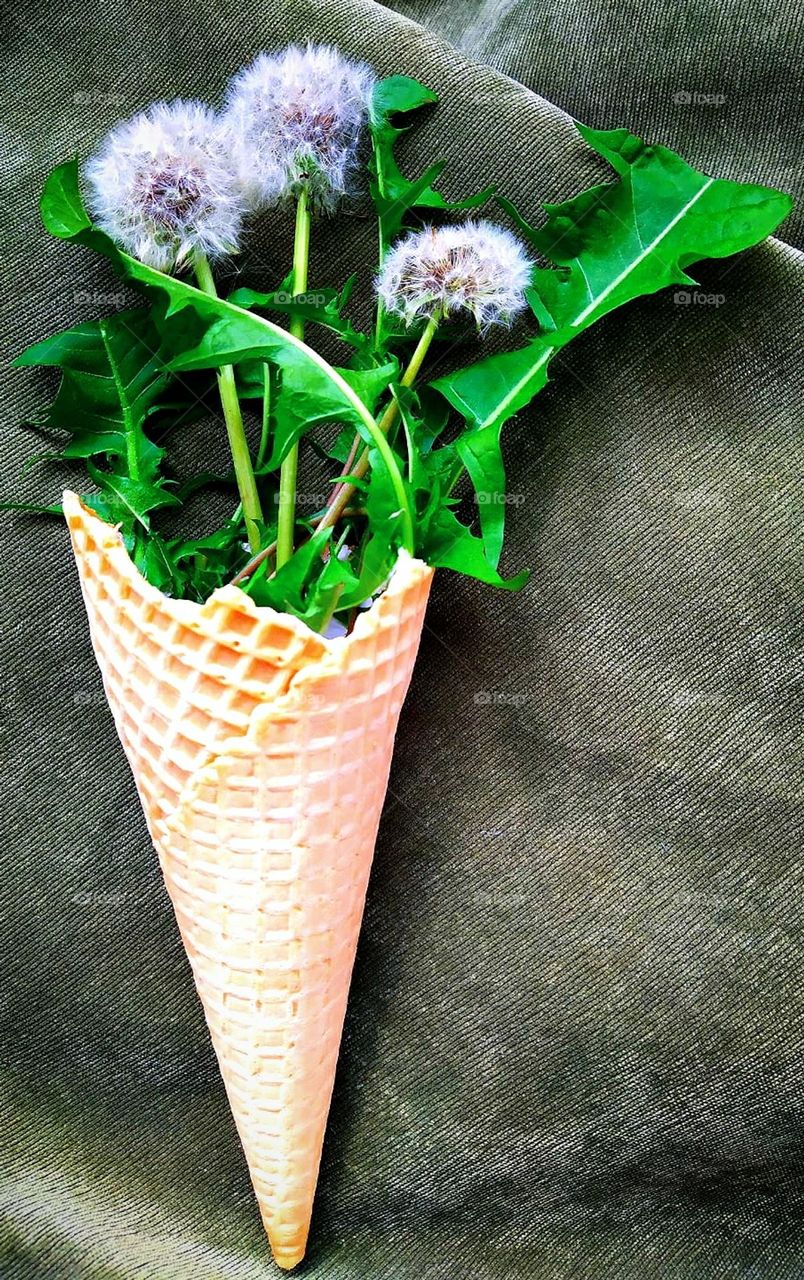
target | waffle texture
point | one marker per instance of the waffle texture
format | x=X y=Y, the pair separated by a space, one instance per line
x=261 y=754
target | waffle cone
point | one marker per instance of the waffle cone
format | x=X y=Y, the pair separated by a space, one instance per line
x=261 y=754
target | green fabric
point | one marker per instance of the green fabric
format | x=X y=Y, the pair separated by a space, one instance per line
x=717 y=81
x=573 y=1050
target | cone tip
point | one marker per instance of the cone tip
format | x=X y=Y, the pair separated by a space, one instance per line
x=287 y=1257
x=288 y=1240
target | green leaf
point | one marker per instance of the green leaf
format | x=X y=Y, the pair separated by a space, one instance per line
x=224 y=539
x=152 y=556
x=113 y=375
x=297 y=409
x=132 y=499
x=286 y=589
x=341 y=446
x=610 y=244
x=308 y=585
x=37 y=459
x=224 y=333
x=430 y=471
x=448 y=544
x=200 y=565
x=481 y=454
x=187 y=568
x=397 y=95
x=395 y=195
x=208 y=332
x=415 y=432
x=328 y=591
x=33 y=508
x=61 y=207
x=379 y=554
x=424 y=416
x=321 y=306
x=613 y=243
x=204 y=480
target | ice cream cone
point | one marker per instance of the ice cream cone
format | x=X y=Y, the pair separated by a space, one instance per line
x=261 y=754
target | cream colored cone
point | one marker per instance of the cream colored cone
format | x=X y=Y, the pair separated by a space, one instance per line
x=261 y=755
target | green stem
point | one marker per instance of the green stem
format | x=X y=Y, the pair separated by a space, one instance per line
x=382 y=247
x=457 y=472
x=132 y=457
x=238 y=445
x=373 y=431
x=422 y=347
x=266 y=414
x=391 y=410
x=289 y=469
x=380 y=323
x=341 y=495
x=331 y=608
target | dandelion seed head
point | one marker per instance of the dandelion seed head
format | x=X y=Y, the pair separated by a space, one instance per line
x=162 y=188
x=295 y=121
x=471 y=266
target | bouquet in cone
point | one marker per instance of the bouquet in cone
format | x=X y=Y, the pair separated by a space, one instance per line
x=256 y=666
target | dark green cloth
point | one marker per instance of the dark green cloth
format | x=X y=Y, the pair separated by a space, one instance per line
x=718 y=81
x=573 y=1049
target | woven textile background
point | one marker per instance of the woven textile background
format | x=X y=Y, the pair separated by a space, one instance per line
x=574 y=1045
x=719 y=82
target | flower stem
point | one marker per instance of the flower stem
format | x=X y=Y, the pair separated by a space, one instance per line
x=287 y=474
x=339 y=499
x=422 y=347
x=380 y=321
x=238 y=445
x=266 y=414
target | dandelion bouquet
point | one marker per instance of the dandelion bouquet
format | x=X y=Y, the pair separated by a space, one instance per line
x=256 y=673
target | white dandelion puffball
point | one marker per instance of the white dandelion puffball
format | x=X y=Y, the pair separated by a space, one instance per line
x=162 y=186
x=472 y=266
x=295 y=121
